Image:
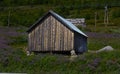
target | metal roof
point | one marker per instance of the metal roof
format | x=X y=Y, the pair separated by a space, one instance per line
x=62 y=20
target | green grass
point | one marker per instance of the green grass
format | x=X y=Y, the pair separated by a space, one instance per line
x=101 y=28
x=46 y=63
x=16 y=60
x=27 y=15
x=98 y=43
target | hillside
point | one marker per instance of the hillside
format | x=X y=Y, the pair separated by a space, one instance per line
x=23 y=13
x=80 y=3
x=13 y=56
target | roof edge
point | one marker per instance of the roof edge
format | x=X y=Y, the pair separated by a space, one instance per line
x=61 y=19
x=64 y=22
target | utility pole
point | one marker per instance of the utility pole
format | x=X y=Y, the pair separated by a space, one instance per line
x=106 y=20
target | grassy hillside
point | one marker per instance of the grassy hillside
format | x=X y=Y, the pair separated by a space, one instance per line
x=23 y=13
x=80 y=3
x=14 y=58
x=27 y=15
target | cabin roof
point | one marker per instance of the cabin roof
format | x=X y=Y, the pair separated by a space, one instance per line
x=61 y=19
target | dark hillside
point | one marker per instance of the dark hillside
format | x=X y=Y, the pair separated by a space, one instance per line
x=75 y=3
x=26 y=12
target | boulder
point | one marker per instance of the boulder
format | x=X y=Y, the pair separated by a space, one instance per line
x=106 y=48
x=73 y=55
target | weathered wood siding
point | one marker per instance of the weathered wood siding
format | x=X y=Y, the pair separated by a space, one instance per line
x=51 y=35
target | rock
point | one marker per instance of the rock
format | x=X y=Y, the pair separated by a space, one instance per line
x=73 y=55
x=72 y=52
x=28 y=53
x=106 y=48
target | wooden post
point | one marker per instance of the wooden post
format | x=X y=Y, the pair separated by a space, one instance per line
x=95 y=19
x=106 y=16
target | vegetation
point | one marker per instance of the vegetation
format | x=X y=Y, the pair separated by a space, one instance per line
x=15 y=59
x=23 y=13
x=80 y=3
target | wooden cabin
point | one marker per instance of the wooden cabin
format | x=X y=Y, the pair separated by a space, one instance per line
x=53 y=33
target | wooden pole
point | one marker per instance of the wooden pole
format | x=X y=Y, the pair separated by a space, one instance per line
x=106 y=16
x=95 y=19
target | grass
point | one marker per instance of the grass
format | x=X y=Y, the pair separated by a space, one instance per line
x=98 y=43
x=87 y=63
x=27 y=15
x=16 y=60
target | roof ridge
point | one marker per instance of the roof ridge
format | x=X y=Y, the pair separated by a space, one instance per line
x=62 y=20
x=69 y=24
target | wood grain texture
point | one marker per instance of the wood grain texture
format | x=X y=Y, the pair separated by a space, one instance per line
x=51 y=35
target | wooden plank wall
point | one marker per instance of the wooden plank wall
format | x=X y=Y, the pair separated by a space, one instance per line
x=51 y=35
